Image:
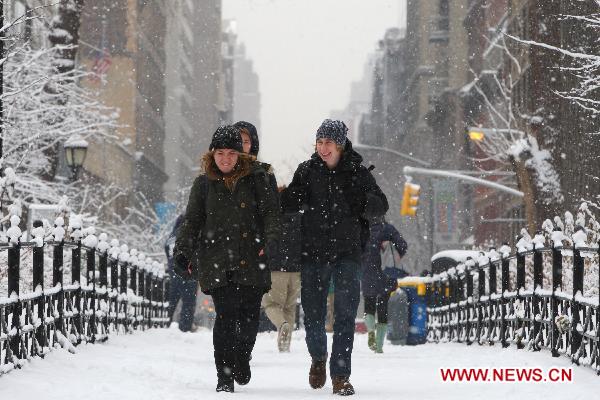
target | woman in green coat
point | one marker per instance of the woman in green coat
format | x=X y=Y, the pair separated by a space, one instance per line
x=229 y=232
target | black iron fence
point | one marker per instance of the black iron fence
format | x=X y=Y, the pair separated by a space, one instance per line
x=544 y=298
x=107 y=293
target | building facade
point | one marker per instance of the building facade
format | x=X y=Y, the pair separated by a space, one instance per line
x=193 y=53
x=124 y=40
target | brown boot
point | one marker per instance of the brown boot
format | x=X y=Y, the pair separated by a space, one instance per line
x=342 y=386
x=318 y=374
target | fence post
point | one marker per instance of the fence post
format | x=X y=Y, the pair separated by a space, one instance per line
x=520 y=289
x=149 y=297
x=57 y=279
x=142 y=293
x=538 y=283
x=577 y=289
x=91 y=272
x=469 y=277
x=38 y=282
x=14 y=260
x=156 y=297
x=492 y=284
x=114 y=290
x=504 y=277
x=133 y=284
x=77 y=321
x=123 y=294
x=103 y=282
x=167 y=284
x=161 y=296
x=556 y=284
x=480 y=304
x=449 y=312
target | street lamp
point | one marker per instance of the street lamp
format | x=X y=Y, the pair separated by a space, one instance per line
x=75 y=152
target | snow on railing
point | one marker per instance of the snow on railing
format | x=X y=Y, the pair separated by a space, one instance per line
x=543 y=294
x=112 y=289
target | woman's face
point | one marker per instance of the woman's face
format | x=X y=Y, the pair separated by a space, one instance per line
x=329 y=152
x=226 y=159
x=246 y=142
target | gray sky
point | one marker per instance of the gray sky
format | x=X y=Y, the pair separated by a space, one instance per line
x=306 y=53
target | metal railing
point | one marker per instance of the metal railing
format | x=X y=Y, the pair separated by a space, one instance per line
x=106 y=294
x=522 y=299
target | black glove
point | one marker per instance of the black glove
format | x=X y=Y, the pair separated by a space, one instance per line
x=182 y=266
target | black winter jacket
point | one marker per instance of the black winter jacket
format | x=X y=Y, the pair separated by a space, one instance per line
x=289 y=258
x=224 y=231
x=335 y=205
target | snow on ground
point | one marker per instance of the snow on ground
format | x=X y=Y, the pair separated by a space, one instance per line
x=168 y=364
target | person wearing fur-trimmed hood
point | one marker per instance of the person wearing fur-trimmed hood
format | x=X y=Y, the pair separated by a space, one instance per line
x=230 y=231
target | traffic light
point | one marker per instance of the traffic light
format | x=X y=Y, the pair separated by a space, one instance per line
x=410 y=199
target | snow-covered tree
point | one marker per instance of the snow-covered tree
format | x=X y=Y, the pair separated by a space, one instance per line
x=44 y=106
x=510 y=143
x=583 y=63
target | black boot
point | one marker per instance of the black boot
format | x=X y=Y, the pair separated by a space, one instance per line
x=241 y=372
x=224 y=372
x=225 y=386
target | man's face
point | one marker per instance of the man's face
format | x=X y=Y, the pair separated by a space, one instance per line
x=329 y=152
x=226 y=159
x=246 y=142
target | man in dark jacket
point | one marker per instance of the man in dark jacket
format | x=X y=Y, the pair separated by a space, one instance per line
x=180 y=288
x=376 y=285
x=336 y=195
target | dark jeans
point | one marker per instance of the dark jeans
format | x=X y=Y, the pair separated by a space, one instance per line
x=236 y=325
x=315 y=286
x=186 y=291
x=379 y=304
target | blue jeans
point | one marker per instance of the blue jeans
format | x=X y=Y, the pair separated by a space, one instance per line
x=315 y=286
x=186 y=291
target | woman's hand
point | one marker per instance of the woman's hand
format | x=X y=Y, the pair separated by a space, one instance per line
x=182 y=266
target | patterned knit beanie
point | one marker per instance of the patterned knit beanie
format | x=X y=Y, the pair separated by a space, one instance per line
x=334 y=130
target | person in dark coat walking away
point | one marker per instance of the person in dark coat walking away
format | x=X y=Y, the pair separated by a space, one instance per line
x=376 y=285
x=336 y=195
x=250 y=143
x=180 y=288
x=251 y=146
x=230 y=232
x=280 y=303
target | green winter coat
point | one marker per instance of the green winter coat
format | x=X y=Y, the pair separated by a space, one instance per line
x=224 y=230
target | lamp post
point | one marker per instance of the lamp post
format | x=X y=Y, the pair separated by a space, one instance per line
x=75 y=152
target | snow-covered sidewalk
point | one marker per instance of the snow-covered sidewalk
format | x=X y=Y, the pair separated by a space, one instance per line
x=167 y=364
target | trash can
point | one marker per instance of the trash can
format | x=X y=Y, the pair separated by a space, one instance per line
x=416 y=291
x=398 y=317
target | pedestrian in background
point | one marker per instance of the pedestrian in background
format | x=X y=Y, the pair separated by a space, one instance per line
x=230 y=231
x=385 y=248
x=281 y=301
x=180 y=288
x=335 y=193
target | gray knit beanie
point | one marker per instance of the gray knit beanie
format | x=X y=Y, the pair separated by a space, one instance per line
x=334 y=130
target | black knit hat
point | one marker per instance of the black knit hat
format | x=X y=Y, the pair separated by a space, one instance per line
x=254 y=145
x=227 y=137
x=334 y=130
